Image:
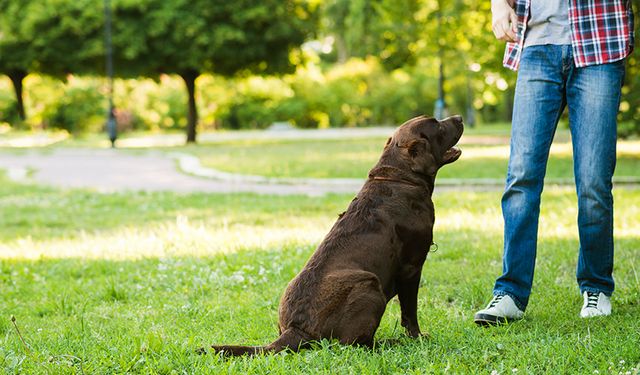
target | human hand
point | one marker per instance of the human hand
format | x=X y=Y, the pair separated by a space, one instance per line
x=504 y=20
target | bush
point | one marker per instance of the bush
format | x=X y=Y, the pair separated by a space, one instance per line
x=249 y=113
x=8 y=109
x=152 y=105
x=250 y=103
x=80 y=109
x=630 y=104
x=360 y=92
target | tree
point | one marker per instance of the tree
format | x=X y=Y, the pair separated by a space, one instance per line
x=418 y=34
x=16 y=56
x=472 y=57
x=183 y=37
x=630 y=104
x=50 y=37
x=190 y=37
x=384 y=28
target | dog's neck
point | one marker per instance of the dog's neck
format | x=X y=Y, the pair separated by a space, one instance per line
x=394 y=174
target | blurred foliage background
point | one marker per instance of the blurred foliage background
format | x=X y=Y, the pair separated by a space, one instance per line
x=246 y=64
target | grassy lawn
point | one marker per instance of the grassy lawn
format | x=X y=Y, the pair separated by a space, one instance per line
x=354 y=158
x=134 y=282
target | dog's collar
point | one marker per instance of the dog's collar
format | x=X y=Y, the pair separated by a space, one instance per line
x=392 y=174
x=401 y=181
x=390 y=179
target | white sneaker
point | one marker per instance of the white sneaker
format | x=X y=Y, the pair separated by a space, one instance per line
x=501 y=309
x=595 y=304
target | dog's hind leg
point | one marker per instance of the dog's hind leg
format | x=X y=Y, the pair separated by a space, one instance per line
x=362 y=314
x=291 y=339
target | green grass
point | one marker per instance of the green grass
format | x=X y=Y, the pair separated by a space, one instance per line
x=298 y=158
x=134 y=282
x=354 y=158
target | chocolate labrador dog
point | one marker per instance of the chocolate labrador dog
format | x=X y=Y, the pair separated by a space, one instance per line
x=374 y=251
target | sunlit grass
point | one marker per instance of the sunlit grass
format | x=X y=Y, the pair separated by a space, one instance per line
x=134 y=282
x=172 y=239
x=24 y=139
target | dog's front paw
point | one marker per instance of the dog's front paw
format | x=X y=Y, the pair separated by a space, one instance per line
x=416 y=334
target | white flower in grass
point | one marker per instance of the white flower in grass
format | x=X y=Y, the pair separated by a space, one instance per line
x=596 y=371
x=622 y=362
x=514 y=370
x=237 y=277
x=495 y=372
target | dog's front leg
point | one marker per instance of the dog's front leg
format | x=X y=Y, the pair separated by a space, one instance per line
x=408 y=296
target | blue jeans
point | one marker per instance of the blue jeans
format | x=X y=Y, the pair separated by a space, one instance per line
x=547 y=82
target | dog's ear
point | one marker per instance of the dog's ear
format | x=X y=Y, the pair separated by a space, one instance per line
x=424 y=162
x=388 y=143
x=416 y=147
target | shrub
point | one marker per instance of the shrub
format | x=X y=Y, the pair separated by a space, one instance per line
x=153 y=105
x=630 y=104
x=8 y=109
x=249 y=113
x=253 y=103
x=82 y=108
x=360 y=92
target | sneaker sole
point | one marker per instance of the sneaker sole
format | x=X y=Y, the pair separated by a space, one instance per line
x=486 y=320
x=593 y=315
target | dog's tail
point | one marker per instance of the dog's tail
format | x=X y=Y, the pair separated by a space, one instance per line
x=290 y=339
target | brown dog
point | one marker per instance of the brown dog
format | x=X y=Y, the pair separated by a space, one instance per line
x=374 y=251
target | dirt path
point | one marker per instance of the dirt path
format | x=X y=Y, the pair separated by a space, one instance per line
x=117 y=170
x=113 y=170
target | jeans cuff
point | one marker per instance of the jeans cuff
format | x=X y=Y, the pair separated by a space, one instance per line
x=595 y=290
x=519 y=304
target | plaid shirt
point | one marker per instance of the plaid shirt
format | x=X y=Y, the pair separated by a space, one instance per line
x=601 y=31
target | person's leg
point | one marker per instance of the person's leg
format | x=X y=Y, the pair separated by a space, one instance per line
x=539 y=101
x=593 y=97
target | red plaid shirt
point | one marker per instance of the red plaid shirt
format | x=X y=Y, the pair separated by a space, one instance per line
x=601 y=31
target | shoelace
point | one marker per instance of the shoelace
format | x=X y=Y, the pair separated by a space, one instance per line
x=495 y=300
x=592 y=299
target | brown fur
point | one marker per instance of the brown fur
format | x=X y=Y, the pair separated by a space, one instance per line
x=374 y=251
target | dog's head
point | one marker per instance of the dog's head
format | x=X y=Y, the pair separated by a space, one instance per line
x=425 y=144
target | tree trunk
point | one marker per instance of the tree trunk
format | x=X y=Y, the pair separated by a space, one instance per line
x=189 y=78
x=16 y=79
x=341 y=49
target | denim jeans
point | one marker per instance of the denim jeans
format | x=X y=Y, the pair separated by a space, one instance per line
x=547 y=82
